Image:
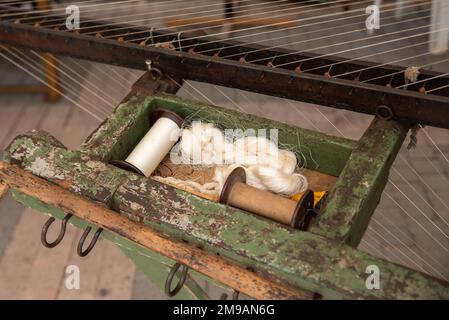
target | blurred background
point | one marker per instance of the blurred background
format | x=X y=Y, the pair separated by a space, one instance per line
x=410 y=226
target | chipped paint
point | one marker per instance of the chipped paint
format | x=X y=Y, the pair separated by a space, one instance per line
x=42 y=155
x=284 y=255
x=357 y=192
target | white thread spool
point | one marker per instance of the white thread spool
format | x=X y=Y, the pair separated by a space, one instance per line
x=155 y=145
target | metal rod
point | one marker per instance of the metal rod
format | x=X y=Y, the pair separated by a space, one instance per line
x=283 y=82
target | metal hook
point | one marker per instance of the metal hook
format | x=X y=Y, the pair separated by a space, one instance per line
x=422 y=89
x=384 y=112
x=192 y=49
x=155 y=73
x=328 y=73
x=271 y=63
x=182 y=280
x=44 y=231
x=79 y=249
x=388 y=85
x=217 y=54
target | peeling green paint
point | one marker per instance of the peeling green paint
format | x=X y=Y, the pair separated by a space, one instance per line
x=43 y=156
x=152 y=264
x=285 y=255
x=116 y=137
x=300 y=259
x=357 y=192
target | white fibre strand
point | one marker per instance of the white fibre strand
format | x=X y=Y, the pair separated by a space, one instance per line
x=202 y=144
x=266 y=166
x=275 y=180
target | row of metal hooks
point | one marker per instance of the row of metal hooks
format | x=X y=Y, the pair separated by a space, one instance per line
x=80 y=248
x=84 y=252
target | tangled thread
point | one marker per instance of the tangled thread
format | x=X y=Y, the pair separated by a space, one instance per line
x=266 y=166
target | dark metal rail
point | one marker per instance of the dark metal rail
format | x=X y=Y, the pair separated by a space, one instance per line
x=263 y=76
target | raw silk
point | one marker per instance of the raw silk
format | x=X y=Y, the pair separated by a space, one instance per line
x=267 y=167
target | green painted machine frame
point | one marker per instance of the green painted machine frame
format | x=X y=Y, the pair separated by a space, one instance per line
x=324 y=260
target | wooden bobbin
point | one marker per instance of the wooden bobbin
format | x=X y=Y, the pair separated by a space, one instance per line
x=238 y=194
x=154 y=116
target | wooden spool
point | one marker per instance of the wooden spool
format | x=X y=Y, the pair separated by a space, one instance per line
x=238 y=194
x=154 y=116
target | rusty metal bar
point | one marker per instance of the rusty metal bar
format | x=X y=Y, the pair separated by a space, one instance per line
x=407 y=105
x=206 y=263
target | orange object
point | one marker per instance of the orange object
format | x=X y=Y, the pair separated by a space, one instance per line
x=316 y=196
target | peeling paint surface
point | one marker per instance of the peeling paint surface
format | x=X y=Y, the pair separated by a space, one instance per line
x=43 y=156
x=348 y=209
x=280 y=253
x=300 y=259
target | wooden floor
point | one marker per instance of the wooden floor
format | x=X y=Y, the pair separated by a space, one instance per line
x=408 y=228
